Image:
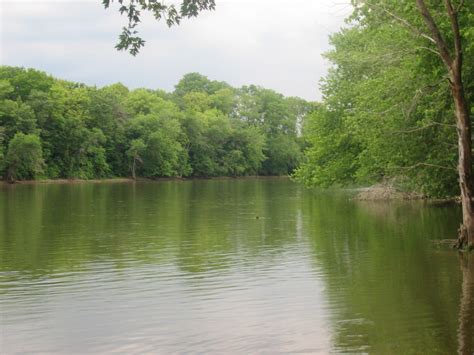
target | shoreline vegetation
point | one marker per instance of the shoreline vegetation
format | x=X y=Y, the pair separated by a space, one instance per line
x=131 y=180
x=382 y=192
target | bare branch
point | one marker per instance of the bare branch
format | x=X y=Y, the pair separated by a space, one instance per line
x=423 y=164
x=430 y=50
x=433 y=123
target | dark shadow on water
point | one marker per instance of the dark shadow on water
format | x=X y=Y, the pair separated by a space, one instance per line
x=466 y=308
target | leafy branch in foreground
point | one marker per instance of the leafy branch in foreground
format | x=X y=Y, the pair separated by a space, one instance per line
x=130 y=40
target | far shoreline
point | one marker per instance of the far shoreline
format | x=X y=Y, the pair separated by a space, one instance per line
x=373 y=193
x=131 y=180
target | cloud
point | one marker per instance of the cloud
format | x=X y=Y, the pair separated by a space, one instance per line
x=272 y=43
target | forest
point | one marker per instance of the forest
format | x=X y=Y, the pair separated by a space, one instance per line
x=52 y=128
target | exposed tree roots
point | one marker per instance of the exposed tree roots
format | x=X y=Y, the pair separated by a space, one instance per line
x=463 y=243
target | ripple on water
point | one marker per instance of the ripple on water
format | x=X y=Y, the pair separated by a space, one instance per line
x=179 y=267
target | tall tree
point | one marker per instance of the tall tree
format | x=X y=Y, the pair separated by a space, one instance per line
x=445 y=40
x=453 y=61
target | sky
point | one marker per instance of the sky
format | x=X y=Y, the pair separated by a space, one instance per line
x=271 y=43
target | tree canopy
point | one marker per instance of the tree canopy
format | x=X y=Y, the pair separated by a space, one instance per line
x=388 y=112
x=51 y=128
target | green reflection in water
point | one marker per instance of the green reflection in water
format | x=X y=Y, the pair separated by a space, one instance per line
x=390 y=290
x=385 y=287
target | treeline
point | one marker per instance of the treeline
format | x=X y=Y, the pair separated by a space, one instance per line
x=388 y=111
x=51 y=128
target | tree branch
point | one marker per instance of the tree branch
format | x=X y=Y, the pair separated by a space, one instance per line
x=404 y=22
x=433 y=123
x=438 y=38
x=424 y=164
x=453 y=16
x=430 y=50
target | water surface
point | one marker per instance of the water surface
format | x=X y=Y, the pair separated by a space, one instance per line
x=229 y=266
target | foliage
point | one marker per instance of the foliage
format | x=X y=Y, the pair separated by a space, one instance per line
x=171 y=14
x=203 y=128
x=388 y=111
x=24 y=157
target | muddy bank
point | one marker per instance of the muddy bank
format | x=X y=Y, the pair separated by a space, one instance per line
x=384 y=192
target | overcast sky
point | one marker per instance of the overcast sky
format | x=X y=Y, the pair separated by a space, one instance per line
x=272 y=43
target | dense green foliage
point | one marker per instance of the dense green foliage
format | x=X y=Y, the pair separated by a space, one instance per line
x=388 y=111
x=24 y=158
x=57 y=129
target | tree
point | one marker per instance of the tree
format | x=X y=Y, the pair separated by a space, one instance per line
x=24 y=81
x=74 y=148
x=24 y=157
x=332 y=155
x=137 y=146
x=2 y=155
x=156 y=123
x=277 y=118
x=453 y=61
x=107 y=113
x=445 y=40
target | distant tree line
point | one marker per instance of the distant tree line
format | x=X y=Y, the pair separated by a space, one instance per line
x=51 y=128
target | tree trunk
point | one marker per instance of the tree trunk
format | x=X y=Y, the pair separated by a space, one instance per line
x=133 y=169
x=463 y=124
x=11 y=178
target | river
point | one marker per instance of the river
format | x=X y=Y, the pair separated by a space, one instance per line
x=228 y=266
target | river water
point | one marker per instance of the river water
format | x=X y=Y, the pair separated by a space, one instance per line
x=228 y=266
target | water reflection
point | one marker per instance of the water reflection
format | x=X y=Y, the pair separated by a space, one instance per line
x=390 y=291
x=55 y=227
x=466 y=309
x=226 y=266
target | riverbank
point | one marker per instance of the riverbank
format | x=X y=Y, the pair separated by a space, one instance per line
x=130 y=180
x=388 y=192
